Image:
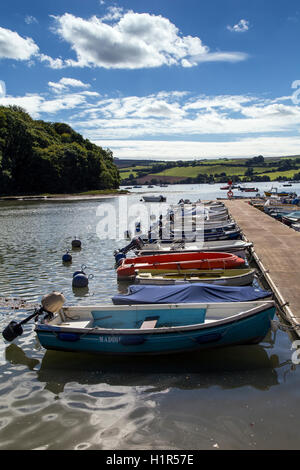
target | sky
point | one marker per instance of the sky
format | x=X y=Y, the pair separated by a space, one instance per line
x=159 y=79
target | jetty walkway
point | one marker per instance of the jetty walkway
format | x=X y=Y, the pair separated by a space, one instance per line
x=276 y=249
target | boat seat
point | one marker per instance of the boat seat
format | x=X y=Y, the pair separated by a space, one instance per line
x=77 y=324
x=149 y=322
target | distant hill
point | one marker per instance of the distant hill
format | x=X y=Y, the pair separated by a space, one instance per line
x=123 y=163
x=45 y=157
x=209 y=170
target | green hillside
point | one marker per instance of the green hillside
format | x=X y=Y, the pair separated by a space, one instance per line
x=44 y=157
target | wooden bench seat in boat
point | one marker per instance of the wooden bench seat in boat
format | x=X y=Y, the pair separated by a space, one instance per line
x=77 y=324
x=149 y=322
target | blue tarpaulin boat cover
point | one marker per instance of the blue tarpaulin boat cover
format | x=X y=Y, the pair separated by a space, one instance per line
x=189 y=293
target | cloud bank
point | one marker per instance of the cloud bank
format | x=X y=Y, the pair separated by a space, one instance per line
x=170 y=125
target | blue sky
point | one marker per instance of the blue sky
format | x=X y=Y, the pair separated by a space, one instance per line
x=168 y=79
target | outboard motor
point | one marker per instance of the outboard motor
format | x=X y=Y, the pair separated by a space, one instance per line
x=136 y=242
x=50 y=304
x=119 y=256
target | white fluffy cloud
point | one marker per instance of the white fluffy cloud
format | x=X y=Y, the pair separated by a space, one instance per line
x=38 y=105
x=132 y=41
x=118 y=40
x=29 y=19
x=13 y=46
x=52 y=63
x=65 y=83
x=241 y=27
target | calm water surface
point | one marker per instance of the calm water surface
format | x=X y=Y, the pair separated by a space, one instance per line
x=246 y=397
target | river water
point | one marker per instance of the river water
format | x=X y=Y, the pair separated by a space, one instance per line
x=245 y=397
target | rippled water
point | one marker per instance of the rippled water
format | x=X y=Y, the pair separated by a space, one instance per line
x=245 y=397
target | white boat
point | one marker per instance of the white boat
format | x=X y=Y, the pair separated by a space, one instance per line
x=237 y=247
x=200 y=213
x=198 y=224
x=159 y=198
x=296 y=227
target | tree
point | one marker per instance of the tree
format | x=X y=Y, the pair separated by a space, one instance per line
x=38 y=156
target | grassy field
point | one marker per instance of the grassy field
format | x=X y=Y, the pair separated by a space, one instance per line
x=191 y=171
x=274 y=176
x=218 y=168
x=125 y=174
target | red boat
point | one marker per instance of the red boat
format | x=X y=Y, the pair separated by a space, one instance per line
x=249 y=190
x=175 y=261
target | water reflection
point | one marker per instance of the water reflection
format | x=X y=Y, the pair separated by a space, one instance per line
x=227 y=368
x=15 y=355
x=80 y=291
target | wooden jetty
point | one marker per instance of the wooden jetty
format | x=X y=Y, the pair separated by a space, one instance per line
x=276 y=249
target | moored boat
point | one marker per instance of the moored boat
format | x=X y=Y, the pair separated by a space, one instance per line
x=178 y=262
x=296 y=227
x=291 y=218
x=226 y=277
x=155 y=329
x=153 y=198
x=276 y=192
x=212 y=234
x=237 y=247
x=188 y=293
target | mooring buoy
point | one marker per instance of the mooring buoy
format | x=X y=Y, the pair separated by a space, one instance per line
x=67 y=258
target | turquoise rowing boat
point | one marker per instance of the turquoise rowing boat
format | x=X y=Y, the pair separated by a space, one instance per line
x=155 y=329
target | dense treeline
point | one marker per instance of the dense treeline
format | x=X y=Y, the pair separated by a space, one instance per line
x=43 y=157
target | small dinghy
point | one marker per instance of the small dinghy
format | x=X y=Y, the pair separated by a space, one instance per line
x=177 y=262
x=155 y=329
x=237 y=247
x=189 y=293
x=221 y=277
x=291 y=218
x=160 y=198
x=206 y=235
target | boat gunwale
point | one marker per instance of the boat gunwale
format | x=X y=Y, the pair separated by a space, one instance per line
x=172 y=246
x=263 y=306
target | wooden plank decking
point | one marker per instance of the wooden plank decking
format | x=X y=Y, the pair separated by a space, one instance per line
x=277 y=250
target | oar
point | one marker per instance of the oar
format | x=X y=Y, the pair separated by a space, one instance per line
x=212 y=275
x=185 y=271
